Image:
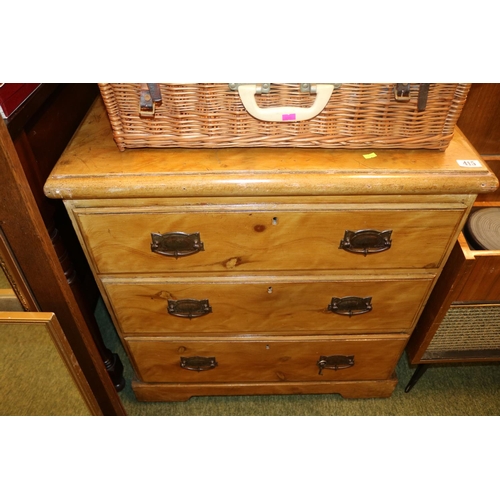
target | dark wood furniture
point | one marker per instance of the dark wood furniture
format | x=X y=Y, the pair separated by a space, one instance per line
x=461 y=320
x=33 y=228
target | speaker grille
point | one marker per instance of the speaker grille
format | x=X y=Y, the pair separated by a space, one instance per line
x=466 y=328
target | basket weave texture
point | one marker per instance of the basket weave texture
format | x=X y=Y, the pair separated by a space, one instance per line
x=210 y=115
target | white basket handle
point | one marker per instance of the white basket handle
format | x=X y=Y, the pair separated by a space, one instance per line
x=286 y=113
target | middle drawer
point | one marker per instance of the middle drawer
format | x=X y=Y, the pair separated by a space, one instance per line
x=253 y=304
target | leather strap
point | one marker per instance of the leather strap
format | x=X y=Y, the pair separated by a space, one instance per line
x=154 y=90
x=150 y=95
x=423 y=93
x=402 y=91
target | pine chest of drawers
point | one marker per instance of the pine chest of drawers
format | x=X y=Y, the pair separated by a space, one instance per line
x=264 y=271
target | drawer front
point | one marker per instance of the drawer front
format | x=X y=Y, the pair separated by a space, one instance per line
x=479 y=283
x=226 y=307
x=253 y=241
x=265 y=359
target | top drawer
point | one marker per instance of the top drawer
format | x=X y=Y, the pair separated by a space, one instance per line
x=232 y=238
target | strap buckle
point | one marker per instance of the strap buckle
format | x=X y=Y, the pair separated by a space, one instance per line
x=402 y=92
x=150 y=95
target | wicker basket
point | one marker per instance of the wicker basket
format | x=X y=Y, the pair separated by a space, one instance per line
x=211 y=115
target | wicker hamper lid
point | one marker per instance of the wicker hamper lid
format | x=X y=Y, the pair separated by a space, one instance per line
x=484 y=228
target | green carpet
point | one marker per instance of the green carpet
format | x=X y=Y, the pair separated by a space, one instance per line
x=448 y=390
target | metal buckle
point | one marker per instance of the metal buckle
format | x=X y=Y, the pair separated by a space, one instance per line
x=262 y=88
x=150 y=94
x=402 y=92
x=146 y=104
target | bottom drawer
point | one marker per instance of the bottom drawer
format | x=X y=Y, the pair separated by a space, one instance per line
x=266 y=359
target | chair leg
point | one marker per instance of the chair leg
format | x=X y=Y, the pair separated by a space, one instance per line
x=420 y=370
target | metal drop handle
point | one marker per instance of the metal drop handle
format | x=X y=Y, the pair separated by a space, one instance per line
x=188 y=308
x=336 y=362
x=366 y=241
x=350 y=306
x=176 y=244
x=198 y=363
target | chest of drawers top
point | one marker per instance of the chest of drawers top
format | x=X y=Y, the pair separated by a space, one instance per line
x=92 y=168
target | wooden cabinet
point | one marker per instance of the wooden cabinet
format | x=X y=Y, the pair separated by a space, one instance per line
x=264 y=271
x=39 y=130
x=43 y=286
x=460 y=322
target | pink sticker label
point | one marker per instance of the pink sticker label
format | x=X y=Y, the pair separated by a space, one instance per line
x=288 y=117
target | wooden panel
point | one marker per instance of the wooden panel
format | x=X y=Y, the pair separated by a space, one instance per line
x=258 y=238
x=479 y=119
x=23 y=227
x=491 y=199
x=51 y=127
x=483 y=283
x=347 y=389
x=40 y=132
x=455 y=271
x=268 y=304
x=468 y=276
x=265 y=359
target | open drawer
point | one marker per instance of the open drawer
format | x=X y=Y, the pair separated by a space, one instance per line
x=460 y=321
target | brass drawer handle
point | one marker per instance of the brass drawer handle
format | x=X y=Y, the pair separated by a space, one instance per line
x=189 y=308
x=350 y=306
x=198 y=363
x=176 y=244
x=337 y=362
x=366 y=241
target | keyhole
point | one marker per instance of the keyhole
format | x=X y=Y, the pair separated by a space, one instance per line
x=275 y=221
x=270 y=289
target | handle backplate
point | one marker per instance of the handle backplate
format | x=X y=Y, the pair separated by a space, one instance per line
x=337 y=362
x=366 y=241
x=350 y=306
x=188 y=308
x=176 y=244
x=198 y=363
